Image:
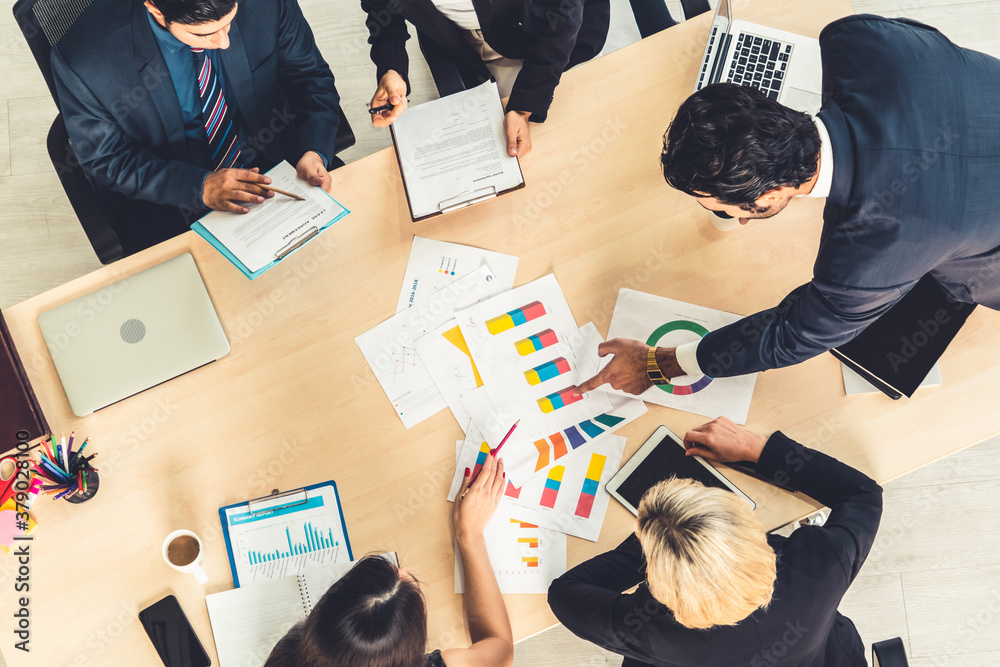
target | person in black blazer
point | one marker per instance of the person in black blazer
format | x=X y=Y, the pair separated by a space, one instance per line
x=708 y=595
x=906 y=152
x=550 y=36
x=127 y=87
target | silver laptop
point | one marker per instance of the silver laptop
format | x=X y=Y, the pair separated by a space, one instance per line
x=784 y=66
x=133 y=334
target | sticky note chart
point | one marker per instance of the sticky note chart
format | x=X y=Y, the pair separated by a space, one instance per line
x=547 y=371
x=557 y=400
x=559 y=444
x=590 y=485
x=536 y=343
x=515 y=318
x=552 y=484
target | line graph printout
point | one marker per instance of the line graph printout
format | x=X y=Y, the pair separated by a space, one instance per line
x=664 y=322
x=390 y=349
x=528 y=350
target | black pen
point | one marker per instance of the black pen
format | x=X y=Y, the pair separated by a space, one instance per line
x=378 y=110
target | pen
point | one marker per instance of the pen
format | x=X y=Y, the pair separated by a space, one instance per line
x=378 y=110
x=69 y=447
x=274 y=189
x=497 y=450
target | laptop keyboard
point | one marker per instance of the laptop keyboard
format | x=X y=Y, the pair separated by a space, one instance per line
x=759 y=63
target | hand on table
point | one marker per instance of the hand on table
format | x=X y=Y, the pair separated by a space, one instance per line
x=311 y=168
x=515 y=126
x=477 y=500
x=225 y=189
x=391 y=90
x=723 y=441
x=627 y=370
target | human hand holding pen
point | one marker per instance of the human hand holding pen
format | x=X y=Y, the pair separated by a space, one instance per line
x=391 y=91
x=478 y=498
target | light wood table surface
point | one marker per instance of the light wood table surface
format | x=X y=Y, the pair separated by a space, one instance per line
x=295 y=403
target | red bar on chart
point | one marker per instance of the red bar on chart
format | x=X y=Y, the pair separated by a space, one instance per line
x=590 y=485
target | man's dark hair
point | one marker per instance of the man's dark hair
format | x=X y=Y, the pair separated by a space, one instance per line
x=193 y=12
x=734 y=143
x=368 y=618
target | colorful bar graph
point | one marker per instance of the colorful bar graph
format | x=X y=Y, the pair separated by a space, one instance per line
x=543 y=454
x=609 y=420
x=557 y=400
x=515 y=318
x=532 y=542
x=539 y=341
x=552 y=484
x=547 y=371
x=590 y=485
x=530 y=561
x=484 y=450
x=591 y=429
x=575 y=437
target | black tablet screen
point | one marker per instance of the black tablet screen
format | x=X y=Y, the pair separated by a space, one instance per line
x=666 y=460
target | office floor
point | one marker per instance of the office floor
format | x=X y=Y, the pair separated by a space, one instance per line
x=934 y=575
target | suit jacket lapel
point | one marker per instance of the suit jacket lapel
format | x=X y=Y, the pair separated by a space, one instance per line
x=236 y=68
x=156 y=80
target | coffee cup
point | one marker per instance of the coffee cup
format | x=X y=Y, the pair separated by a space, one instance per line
x=182 y=551
x=723 y=223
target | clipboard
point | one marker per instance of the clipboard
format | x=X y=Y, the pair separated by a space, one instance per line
x=288 y=533
x=296 y=243
x=459 y=200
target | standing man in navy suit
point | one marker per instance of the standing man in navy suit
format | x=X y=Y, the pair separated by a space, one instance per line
x=906 y=152
x=175 y=107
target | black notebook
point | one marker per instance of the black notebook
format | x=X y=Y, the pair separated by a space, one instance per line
x=896 y=352
x=19 y=410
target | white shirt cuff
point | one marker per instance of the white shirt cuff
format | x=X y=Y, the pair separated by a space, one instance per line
x=687 y=358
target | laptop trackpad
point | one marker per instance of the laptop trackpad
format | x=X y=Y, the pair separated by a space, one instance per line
x=802 y=100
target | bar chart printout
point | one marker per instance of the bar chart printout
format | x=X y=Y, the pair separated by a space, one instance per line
x=590 y=485
x=289 y=539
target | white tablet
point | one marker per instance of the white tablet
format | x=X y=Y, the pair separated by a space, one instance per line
x=663 y=456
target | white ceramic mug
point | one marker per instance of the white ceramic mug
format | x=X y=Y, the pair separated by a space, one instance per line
x=194 y=567
x=723 y=224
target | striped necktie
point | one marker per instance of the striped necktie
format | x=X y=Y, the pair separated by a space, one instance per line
x=220 y=126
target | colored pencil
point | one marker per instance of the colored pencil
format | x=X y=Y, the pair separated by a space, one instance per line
x=497 y=450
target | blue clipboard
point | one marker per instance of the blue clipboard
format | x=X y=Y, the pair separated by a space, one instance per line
x=218 y=245
x=274 y=505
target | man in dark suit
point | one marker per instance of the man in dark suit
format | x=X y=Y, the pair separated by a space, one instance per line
x=460 y=37
x=174 y=107
x=691 y=561
x=906 y=151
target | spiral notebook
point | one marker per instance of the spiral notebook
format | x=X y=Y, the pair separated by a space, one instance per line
x=247 y=622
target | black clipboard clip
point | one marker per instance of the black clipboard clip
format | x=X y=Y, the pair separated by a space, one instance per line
x=277 y=501
x=296 y=243
x=467 y=198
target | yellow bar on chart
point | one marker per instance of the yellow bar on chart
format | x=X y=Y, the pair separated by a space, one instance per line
x=500 y=324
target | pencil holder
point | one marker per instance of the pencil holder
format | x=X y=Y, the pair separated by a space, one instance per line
x=93 y=484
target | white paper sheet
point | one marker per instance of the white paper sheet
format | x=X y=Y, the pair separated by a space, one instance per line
x=434 y=264
x=562 y=498
x=664 y=322
x=256 y=236
x=525 y=557
x=453 y=149
x=446 y=357
x=532 y=329
x=390 y=351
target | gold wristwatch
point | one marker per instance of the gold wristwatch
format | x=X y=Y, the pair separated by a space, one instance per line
x=653 y=371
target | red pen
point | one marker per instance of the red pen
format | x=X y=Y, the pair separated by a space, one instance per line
x=497 y=450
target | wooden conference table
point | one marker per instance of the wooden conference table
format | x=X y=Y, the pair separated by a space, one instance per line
x=295 y=403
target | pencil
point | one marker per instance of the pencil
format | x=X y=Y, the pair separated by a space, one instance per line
x=497 y=450
x=274 y=189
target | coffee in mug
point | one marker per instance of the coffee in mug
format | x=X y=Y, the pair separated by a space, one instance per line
x=182 y=551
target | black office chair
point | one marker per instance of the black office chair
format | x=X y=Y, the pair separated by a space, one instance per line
x=43 y=23
x=652 y=16
x=890 y=653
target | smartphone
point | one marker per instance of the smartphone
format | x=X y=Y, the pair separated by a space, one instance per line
x=172 y=635
x=660 y=457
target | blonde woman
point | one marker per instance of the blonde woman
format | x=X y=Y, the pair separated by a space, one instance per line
x=714 y=588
